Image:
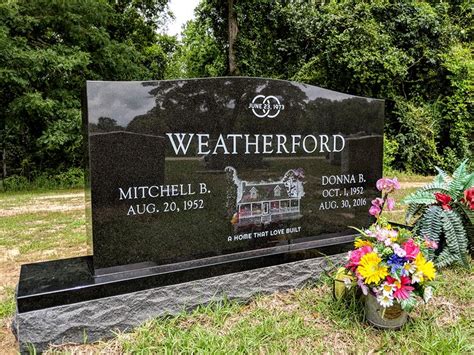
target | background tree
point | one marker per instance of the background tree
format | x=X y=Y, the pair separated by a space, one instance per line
x=48 y=49
x=415 y=55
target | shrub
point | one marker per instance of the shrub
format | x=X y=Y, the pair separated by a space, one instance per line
x=73 y=177
x=417 y=135
x=390 y=149
x=15 y=183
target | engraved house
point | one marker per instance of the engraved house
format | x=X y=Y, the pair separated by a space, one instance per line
x=268 y=202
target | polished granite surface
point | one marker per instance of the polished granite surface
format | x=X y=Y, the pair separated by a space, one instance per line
x=66 y=281
x=190 y=179
x=195 y=169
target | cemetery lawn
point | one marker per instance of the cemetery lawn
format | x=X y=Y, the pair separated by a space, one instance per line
x=38 y=226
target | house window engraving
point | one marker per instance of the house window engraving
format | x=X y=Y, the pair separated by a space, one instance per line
x=266 y=202
x=253 y=193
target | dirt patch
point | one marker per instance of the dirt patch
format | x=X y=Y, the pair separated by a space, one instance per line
x=50 y=203
x=9 y=273
x=410 y=185
x=8 y=343
x=10 y=266
x=61 y=196
x=107 y=348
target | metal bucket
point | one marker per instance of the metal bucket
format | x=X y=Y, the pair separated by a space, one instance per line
x=392 y=317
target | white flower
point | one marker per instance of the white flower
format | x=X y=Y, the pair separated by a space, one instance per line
x=409 y=267
x=347 y=281
x=387 y=242
x=398 y=251
x=417 y=277
x=387 y=289
x=385 y=300
x=428 y=293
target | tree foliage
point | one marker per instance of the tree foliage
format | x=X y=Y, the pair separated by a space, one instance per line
x=48 y=49
x=415 y=54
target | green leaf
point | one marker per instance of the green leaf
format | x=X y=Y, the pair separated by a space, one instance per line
x=409 y=304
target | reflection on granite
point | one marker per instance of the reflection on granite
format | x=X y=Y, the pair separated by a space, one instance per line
x=128 y=124
x=67 y=281
x=190 y=179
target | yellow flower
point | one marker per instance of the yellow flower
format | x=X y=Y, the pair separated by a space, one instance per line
x=425 y=267
x=359 y=243
x=371 y=269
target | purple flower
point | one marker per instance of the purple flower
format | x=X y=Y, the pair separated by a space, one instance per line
x=395 y=262
x=399 y=250
x=388 y=185
x=390 y=203
x=374 y=210
x=363 y=286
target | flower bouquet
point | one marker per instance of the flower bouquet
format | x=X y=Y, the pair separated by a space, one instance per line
x=389 y=265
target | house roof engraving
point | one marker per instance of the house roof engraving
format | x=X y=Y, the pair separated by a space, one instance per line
x=265 y=192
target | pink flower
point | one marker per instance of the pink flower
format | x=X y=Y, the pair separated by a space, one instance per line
x=390 y=203
x=374 y=210
x=431 y=244
x=387 y=242
x=411 y=249
x=382 y=233
x=356 y=255
x=402 y=291
x=388 y=185
x=376 y=207
x=377 y=202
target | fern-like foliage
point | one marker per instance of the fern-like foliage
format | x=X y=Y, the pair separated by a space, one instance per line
x=455 y=236
x=460 y=181
x=442 y=176
x=445 y=258
x=468 y=216
x=446 y=228
x=451 y=229
x=430 y=225
x=423 y=197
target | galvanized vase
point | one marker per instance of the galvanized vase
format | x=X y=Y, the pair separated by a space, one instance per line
x=392 y=317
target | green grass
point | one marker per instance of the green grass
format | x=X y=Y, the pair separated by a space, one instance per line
x=16 y=197
x=32 y=232
x=306 y=320
x=309 y=320
x=7 y=305
x=404 y=176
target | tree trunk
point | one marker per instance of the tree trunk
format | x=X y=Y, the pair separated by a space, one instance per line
x=233 y=29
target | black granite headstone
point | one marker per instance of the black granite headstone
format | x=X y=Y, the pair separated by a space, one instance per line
x=195 y=178
x=196 y=169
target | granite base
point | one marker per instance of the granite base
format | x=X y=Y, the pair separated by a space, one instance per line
x=97 y=319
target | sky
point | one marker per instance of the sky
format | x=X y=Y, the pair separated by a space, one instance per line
x=183 y=11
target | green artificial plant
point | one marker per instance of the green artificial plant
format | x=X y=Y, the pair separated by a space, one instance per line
x=443 y=211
